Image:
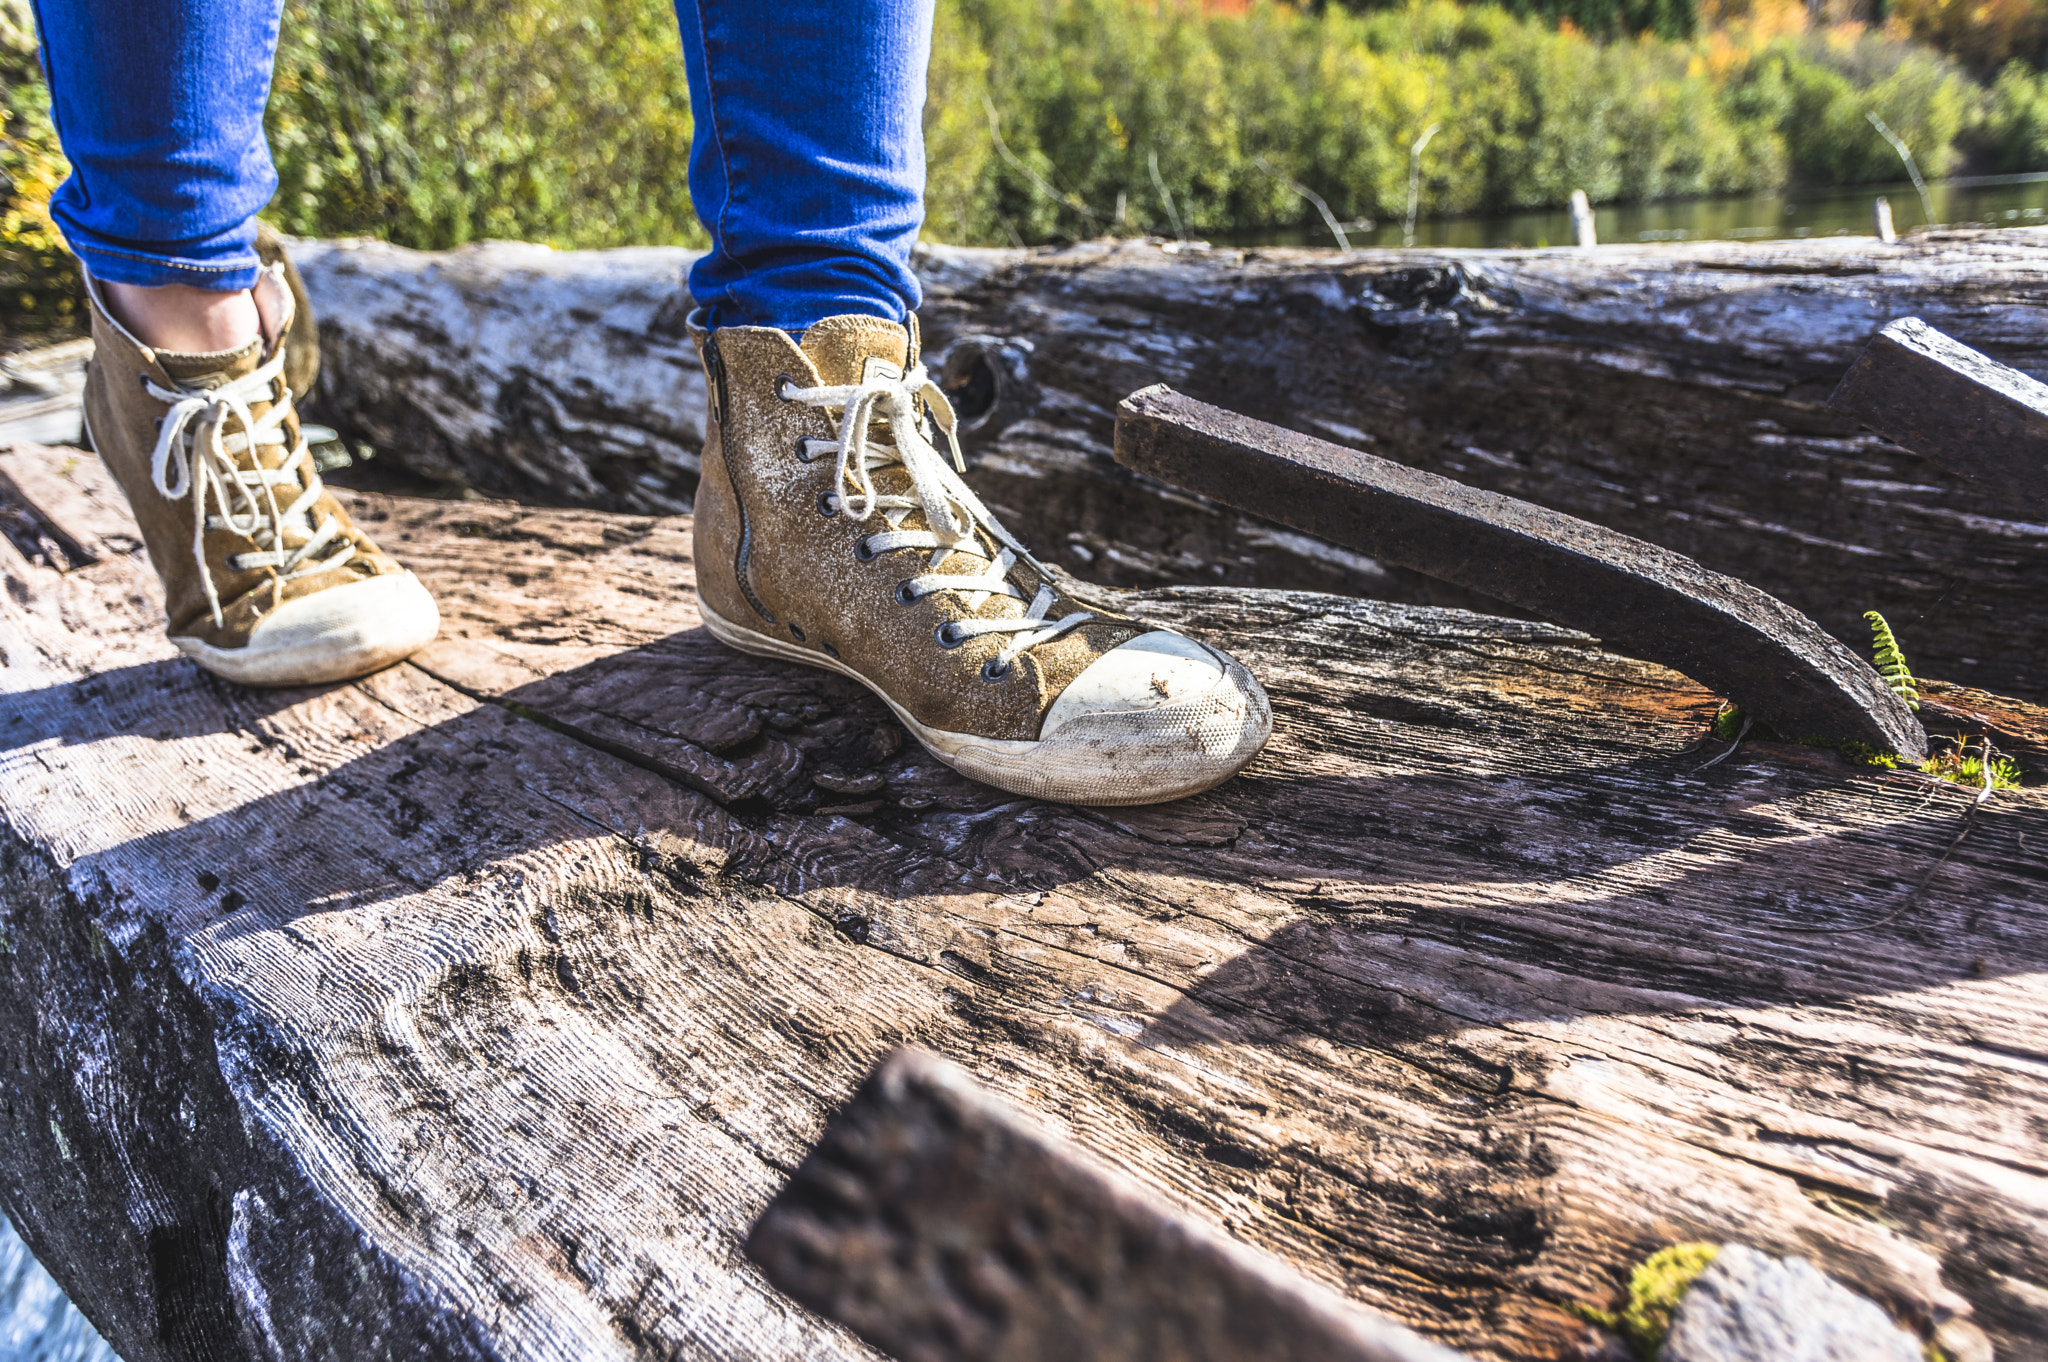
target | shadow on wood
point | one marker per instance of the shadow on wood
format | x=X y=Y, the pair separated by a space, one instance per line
x=479 y=1007
x=942 y=1225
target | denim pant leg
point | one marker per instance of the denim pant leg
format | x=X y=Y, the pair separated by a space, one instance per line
x=807 y=163
x=159 y=105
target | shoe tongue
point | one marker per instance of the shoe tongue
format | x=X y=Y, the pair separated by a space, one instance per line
x=212 y=370
x=841 y=347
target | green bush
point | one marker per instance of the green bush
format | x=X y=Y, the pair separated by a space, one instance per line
x=39 y=283
x=1924 y=98
x=1606 y=18
x=434 y=122
x=1092 y=93
x=2015 y=132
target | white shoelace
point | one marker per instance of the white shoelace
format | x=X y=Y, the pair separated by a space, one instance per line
x=193 y=456
x=951 y=510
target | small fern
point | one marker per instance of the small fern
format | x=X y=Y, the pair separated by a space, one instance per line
x=1891 y=663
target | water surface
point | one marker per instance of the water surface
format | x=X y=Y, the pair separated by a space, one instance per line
x=37 y=1322
x=1994 y=200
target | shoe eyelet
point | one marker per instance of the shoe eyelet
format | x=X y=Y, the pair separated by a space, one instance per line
x=796 y=631
x=825 y=506
x=830 y=650
x=990 y=671
x=803 y=449
x=904 y=595
x=863 y=550
x=782 y=383
x=949 y=635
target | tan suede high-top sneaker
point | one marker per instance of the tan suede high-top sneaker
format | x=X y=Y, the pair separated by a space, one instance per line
x=266 y=581
x=830 y=531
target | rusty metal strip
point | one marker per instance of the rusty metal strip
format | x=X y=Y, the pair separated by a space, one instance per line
x=1954 y=406
x=1638 y=599
x=942 y=1225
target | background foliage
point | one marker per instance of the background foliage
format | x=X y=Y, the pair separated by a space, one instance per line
x=434 y=122
x=38 y=281
x=1091 y=92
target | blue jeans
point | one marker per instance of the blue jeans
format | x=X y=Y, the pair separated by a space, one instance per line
x=807 y=164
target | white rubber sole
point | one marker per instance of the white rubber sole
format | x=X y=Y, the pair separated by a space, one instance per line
x=333 y=635
x=1143 y=756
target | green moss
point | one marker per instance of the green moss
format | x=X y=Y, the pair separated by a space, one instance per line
x=1958 y=764
x=1654 y=1290
x=1728 y=722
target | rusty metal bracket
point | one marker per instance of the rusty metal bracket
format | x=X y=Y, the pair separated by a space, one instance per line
x=1954 y=406
x=943 y=1225
x=1638 y=599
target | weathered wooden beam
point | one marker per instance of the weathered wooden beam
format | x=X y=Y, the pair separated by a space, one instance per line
x=1954 y=405
x=1675 y=392
x=1637 y=598
x=941 y=1224
x=476 y=1009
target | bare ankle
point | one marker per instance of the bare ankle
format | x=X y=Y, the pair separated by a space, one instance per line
x=184 y=319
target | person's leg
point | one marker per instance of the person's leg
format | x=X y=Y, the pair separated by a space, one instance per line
x=807 y=164
x=828 y=528
x=159 y=105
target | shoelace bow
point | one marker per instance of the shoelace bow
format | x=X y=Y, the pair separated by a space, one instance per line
x=952 y=512
x=193 y=455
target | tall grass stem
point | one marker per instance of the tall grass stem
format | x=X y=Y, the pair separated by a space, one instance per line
x=1165 y=196
x=1329 y=218
x=1415 y=181
x=1037 y=181
x=1906 y=155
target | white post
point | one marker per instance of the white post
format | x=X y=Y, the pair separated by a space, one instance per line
x=1415 y=181
x=1582 y=219
x=1881 y=218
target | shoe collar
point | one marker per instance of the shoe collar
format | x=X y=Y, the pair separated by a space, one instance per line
x=274 y=310
x=837 y=347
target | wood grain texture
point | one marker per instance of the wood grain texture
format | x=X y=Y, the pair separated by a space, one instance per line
x=1647 y=602
x=1953 y=405
x=477 y=1008
x=943 y=1224
x=1677 y=393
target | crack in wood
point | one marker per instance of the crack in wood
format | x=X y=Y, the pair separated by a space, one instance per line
x=1476 y=1076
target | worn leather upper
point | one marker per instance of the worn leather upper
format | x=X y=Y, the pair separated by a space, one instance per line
x=770 y=560
x=121 y=420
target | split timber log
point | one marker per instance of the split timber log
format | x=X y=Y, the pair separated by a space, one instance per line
x=1677 y=393
x=1772 y=662
x=479 y=1007
x=1964 y=410
x=941 y=1224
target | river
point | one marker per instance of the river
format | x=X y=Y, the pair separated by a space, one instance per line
x=1991 y=200
x=37 y=1324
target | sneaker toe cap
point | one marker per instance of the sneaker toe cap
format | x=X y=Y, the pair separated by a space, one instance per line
x=332 y=635
x=1158 y=717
